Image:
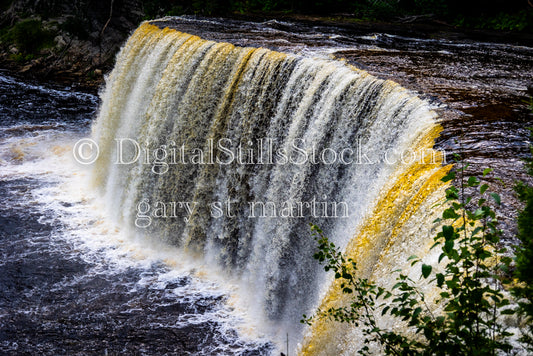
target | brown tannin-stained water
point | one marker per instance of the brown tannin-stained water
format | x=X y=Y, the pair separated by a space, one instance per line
x=90 y=266
x=479 y=89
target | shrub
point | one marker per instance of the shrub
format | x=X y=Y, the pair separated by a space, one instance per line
x=523 y=290
x=471 y=295
x=30 y=37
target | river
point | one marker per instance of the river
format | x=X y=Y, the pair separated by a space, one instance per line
x=75 y=281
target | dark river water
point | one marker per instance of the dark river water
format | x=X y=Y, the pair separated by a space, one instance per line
x=478 y=88
x=72 y=283
x=68 y=285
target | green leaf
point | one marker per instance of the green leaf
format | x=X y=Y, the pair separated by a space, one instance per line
x=448 y=247
x=486 y=171
x=384 y=311
x=496 y=198
x=483 y=188
x=448 y=231
x=478 y=213
x=440 y=279
x=473 y=181
x=448 y=177
x=450 y=214
x=477 y=230
x=426 y=270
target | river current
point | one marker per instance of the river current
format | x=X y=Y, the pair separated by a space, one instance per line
x=72 y=282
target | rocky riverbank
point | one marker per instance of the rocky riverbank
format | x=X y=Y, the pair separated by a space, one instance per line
x=75 y=42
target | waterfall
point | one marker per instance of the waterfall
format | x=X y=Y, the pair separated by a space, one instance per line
x=229 y=153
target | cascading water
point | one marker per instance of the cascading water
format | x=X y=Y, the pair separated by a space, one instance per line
x=229 y=153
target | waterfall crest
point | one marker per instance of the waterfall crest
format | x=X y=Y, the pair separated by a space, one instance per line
x=230 y=152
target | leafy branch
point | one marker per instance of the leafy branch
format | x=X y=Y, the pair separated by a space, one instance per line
x=470 y=292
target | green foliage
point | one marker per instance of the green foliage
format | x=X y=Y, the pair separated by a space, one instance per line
x=17 y=57
x=176 y=10
x=471 y=295
x=477 y=14
x=529 y=103
x=523 y=290
x=512 y=22
x=516 y=15
x=380 y=9
x=518 y=21
x=91 y=75
x=436 y=7
x=206 y=7
x=29 y=36
x=365 y=301
x=383 y=9
x=156 y=8
x=151 y=9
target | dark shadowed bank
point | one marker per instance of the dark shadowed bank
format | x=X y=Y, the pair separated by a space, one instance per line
x=75 y=42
